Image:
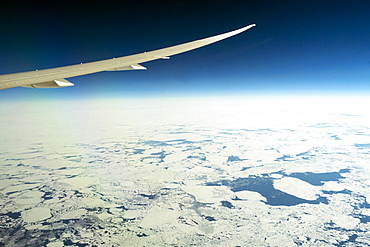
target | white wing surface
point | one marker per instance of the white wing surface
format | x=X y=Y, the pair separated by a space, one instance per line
x=55 y=77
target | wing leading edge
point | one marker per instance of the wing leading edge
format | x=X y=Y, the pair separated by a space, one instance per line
x=54 y=78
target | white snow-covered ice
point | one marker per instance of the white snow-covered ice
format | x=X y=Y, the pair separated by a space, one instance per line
x=236 y=171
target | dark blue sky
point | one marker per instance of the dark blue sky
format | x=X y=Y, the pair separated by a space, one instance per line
x=318 y=47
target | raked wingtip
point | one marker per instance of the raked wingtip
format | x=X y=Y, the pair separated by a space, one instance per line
x=251 y=25
x=246 y=28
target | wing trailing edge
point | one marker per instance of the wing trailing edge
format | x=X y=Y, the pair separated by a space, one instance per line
x=130 y=67
x=51 y=84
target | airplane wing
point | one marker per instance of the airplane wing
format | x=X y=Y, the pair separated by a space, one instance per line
x=55 y=77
